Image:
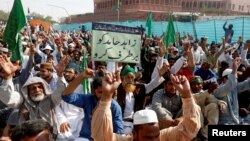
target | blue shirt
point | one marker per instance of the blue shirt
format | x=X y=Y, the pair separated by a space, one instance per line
x=205 y=75
x=228 y=32
x=88 y=103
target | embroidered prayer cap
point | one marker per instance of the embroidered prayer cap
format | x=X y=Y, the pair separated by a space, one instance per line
x=46 y=66
x=126 y=70
x=145 y=116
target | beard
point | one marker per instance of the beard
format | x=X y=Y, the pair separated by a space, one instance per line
x=38 y=98
x=69 y=79
x=129 y=87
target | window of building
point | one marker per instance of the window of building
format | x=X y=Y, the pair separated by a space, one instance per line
x=179 y=2
x=218 y=4
x=200 y=5
x=209 y=4
x=183 y=4
x=126 y=2
x=166 y=2
x=214 y=4
x=233 y=6
x=239 y=8
x=176 y=2
x=242 y=8
x=101 y=5
x=187 y=5
x=195 y=4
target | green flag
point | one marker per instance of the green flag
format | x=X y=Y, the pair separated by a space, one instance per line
x=149 y=25
x=85 y=82
x=15 y=23
x=170 y=36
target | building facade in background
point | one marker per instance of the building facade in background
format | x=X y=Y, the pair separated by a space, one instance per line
x=127 y=10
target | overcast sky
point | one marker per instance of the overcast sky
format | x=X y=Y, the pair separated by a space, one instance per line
x=52 y=7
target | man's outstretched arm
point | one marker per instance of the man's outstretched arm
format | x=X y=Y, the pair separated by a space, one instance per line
x=101 y=124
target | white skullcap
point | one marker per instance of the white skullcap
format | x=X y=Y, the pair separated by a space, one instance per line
x=151 y=49
x=176 y=49
x=24 y=43
x=3 y=49
x=56 y=35
x=48 y=47
x=227 y=45
x=72 y=44
x=144 y=117
x=226 y=72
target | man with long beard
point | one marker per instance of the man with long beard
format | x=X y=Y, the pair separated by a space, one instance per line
x=131 y=97
x=35 y=97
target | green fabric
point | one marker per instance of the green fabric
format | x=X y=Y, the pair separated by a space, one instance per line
x=126 y=70
x=15 y=23
x=170 y=36
x=149 y=25
x=85 y=82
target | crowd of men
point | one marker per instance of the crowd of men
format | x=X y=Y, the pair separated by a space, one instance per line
x=161 y=98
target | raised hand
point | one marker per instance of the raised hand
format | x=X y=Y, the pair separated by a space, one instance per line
x=163 y=69
x=110 y=83
x=60 y=67
x=32 y=49
x=7 y=69
x=88 y=73
x=182 y=85
x=236 y=64
x=64 y=127
x=163 y=49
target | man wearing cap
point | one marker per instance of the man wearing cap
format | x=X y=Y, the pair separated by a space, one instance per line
x=47 y=50
x=4 y=50
x=149 y=64
x=35 y=95
x=47 y=73
x=146 y=126
x=209 y=105
x=71 y=48
x=228 y=92
x=131 y=97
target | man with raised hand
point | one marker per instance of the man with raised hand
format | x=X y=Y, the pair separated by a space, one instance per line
x=146 y=126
